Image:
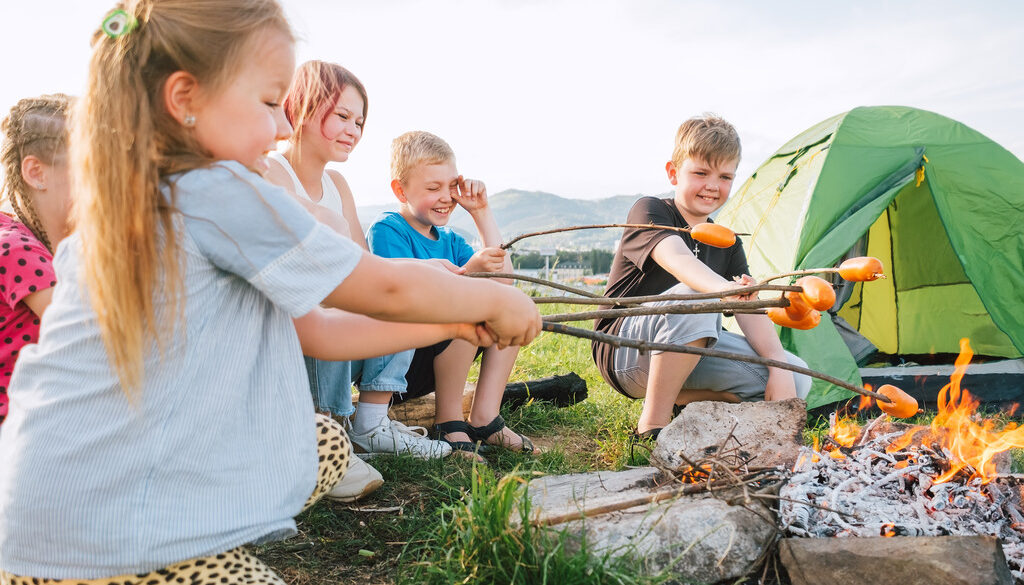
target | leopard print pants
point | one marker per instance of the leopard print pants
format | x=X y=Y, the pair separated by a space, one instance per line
x=237 y=566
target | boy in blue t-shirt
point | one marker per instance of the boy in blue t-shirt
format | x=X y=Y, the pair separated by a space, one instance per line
x=426 y=182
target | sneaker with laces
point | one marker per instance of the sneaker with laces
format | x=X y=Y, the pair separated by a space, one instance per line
x=360 y=480
x=394 y=438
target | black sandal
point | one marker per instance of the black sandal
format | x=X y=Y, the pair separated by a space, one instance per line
x=458 y=426
x=648 y=435
x=483 y=433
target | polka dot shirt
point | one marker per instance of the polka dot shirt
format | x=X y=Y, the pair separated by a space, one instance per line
x=26 y=267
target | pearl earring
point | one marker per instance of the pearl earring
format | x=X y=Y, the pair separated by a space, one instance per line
x=189 y=121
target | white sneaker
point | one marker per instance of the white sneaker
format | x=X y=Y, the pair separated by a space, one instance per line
x=360 y=480
x=393 y=437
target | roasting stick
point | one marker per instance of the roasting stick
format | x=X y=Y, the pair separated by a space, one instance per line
x=687 y=309
x=513 y=276
x=782 y=275
x=596 y=299
x=644 y=346
x=511 y=242
x=653 y=298
x=647 y=346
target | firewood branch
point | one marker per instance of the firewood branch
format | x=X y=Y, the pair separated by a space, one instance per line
x=644 y=346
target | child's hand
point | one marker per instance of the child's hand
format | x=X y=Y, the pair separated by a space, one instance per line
x=446 y=265
x=477 y=334
x=472 y=195
x=739 y=282
x=516 y=320
x=487 y=260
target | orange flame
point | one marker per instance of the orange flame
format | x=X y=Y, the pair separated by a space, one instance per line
x=866 y=402
x=845 y=431
x=970 y=443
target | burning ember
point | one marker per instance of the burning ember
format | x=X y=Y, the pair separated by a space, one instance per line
x=889 y=479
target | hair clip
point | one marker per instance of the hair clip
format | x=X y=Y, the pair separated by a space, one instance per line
x=118 y=24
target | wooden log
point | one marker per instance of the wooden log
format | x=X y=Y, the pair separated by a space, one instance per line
x=562 y=390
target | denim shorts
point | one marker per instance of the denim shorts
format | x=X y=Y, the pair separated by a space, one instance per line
x=331 y=382
x=744 y=379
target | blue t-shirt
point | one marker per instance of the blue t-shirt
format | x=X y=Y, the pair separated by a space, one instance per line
x=218 y=448
x=391 y=236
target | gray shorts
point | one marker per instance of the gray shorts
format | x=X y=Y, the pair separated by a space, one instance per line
x=744 y=379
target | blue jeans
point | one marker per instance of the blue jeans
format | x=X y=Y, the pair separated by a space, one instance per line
x=331 y=382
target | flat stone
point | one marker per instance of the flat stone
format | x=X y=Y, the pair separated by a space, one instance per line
x=768 y=433
x=918 y=560
x=699 y=538
x=567 y=495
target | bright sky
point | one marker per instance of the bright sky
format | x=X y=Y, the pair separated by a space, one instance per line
x=581 y=98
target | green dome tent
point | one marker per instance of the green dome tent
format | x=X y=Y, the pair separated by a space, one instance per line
x=940 y=204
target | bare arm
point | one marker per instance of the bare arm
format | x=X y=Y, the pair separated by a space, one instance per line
x=417 y=292
x=473 y=198
x=39 y=300
x=331 y=334
x=348 y=207
x=675 y=257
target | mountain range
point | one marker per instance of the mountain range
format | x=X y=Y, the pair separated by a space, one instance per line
x=520 y=212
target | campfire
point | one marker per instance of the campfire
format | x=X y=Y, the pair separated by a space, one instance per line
x=893 y=479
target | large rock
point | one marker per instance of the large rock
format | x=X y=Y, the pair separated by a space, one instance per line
x=700 y=538
x=767 y=433
x=919 y=560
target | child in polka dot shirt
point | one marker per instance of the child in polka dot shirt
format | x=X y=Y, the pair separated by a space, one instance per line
x=34 y=159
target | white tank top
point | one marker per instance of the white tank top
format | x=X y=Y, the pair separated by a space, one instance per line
x=331 y=198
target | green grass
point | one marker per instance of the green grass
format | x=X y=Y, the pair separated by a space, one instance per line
x=357 y=542
x=446 y=522
x=486 y=537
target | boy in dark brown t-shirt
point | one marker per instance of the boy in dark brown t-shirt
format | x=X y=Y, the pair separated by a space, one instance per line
x=653 y=261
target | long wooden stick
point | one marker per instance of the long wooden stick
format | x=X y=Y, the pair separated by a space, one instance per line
x=799 y=273
x=511 y=242
x=804 y=272
x=645 y=346
x=597 y=299
x=683 y=309
x=512 y=276
x=654 y=298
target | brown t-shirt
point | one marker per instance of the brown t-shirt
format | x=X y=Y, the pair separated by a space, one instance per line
x=634 y=273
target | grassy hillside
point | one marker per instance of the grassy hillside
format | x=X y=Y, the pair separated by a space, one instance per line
x=528 y=211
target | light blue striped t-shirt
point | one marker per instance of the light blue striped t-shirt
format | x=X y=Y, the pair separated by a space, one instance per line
x=218 y=449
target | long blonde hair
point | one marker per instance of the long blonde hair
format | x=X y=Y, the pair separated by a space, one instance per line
x=125 y=144
x=34 y=127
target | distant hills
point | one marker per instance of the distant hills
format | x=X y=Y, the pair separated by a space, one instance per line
x=520 y=212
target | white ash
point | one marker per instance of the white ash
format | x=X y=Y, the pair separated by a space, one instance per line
x=867 y=495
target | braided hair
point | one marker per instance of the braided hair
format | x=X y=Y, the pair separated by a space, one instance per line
x=34 y=127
